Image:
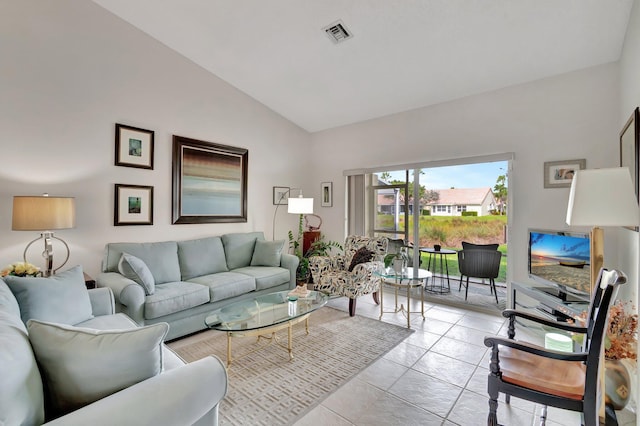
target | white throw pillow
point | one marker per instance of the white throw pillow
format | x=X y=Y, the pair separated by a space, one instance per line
x=82 y=365
x=135 y=269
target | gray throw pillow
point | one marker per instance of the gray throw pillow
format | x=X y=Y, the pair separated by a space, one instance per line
x=267 y=253
x=135 y=269
x=61 y=298
x=82 y=365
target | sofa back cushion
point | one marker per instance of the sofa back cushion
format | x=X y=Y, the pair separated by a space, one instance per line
x=200 y=257
x=21 y=393
x=161 y=258
x=238 y=248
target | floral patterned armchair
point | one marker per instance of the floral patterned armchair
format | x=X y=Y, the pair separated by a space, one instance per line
x=331 y=273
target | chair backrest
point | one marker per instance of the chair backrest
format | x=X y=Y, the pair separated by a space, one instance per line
x=479 y=263
x=597 y=316
x=471 y=246
x=378 y=245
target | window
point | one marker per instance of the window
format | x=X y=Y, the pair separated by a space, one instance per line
x=461 y=209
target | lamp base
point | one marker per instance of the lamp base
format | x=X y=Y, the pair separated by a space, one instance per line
x=47 y=253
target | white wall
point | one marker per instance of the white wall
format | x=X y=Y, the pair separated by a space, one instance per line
x=629 y=100
x=69 y=71
x=570 y=116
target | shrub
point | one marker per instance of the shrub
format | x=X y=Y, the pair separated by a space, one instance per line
x=469 y=213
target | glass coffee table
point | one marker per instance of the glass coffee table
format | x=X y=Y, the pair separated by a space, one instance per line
x=263 y=316
x=405 y=281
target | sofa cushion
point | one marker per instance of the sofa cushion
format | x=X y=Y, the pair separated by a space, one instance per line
x=82 y=365
x=238 y=248
x=161 y=258
x=135 y=269
x=174 y=297
x=170 y=359
x=21 y=393
x=61 y=298
x=267 y=253
x=226 y=284
x=201 y=257
x=266 y=276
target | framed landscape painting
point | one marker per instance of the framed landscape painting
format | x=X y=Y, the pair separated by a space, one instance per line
x=209 y=182
x=133 y=205
x=134 y=147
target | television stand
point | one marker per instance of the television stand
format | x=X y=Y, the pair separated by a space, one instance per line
x=558 y=294
x=549 y=302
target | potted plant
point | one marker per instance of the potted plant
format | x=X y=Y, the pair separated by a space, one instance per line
x=319 y=247
x=620 y=342
x=620 y=347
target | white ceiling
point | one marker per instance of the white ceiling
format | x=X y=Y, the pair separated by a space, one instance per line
x=404 y=54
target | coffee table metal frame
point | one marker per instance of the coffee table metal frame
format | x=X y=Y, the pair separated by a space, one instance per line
x=406 y=281
x=226 y=319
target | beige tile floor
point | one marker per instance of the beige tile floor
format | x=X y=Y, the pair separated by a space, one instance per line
x=436 y=376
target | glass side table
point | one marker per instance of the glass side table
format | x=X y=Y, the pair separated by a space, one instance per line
x=406 y=281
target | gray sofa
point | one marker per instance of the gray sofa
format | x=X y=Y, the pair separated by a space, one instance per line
x=177 y=393
x=181 y=282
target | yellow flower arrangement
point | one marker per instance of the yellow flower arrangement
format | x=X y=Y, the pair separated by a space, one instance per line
x=21 y=269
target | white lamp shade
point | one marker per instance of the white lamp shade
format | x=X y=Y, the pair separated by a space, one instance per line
x=42 y=213
x=603 y=197
x=300 y=205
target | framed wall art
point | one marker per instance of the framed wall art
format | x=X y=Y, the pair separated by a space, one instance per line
x=209 y=182
x=629 y=149
x=326 y=189
x=134 y=147
x=280 y=196
x=559 y=174
x=133 y=205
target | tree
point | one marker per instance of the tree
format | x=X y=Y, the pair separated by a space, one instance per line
x=500 y=193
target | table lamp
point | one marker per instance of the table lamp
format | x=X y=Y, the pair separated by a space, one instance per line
x=602 y=197
x=44 y=213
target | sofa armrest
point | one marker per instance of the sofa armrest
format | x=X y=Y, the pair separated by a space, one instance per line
x=129 y=295
x=290 y=262
x=102 y=302
x=181 y=396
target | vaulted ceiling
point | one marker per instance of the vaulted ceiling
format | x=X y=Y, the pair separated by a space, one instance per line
x=404 y=54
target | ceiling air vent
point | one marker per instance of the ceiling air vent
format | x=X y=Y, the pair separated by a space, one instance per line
x=338 y=32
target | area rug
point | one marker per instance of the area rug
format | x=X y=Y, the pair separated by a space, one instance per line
x=266 y=388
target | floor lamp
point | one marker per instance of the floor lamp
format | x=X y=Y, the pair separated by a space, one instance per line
x=298 y=205
x=602 y=197
x=44 y=213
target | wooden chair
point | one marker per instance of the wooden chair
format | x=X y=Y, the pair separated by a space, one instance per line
x=552 y=378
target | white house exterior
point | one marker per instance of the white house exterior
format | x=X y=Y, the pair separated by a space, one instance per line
x=452 y=202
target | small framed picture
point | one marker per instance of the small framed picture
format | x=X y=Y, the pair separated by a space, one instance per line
x=133 y=205
x=559 y=174
x=326 y=189
x=134 y=147
x=280 y=195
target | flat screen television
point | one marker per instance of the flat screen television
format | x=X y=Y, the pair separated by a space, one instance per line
x=561 y=260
